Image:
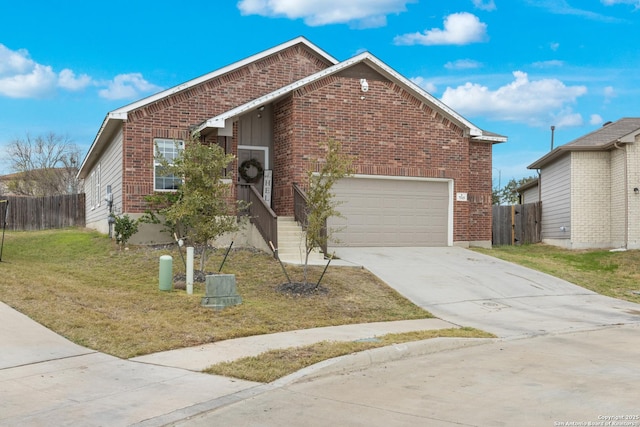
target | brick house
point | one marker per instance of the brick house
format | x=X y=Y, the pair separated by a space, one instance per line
x=422 y=172
x=589 y=189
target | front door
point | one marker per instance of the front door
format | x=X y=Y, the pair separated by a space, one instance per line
x=252 y=162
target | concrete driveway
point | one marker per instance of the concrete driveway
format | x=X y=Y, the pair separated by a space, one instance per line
x=472 y=289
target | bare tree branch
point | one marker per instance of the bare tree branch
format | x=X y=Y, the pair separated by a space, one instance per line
x=44 y=165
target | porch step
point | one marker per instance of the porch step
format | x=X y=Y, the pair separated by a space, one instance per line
x=291 y=243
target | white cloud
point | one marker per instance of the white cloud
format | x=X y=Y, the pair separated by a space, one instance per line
x=523 y=101
x=462 y=64
x=424 y=84
x=566 y=118
x=363 y=13
x=22 y=77
x=127 y=86
x=609 y=92
x=67 y=80
x=595 y=119
x=459 y=29
x=554 y=46
x=485 y=4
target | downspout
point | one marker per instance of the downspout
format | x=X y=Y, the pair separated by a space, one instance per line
x=626 y=195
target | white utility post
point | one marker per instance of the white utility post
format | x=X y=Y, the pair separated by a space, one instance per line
x=189 y=270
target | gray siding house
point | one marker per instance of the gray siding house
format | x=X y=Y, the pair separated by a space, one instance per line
x=590 y=189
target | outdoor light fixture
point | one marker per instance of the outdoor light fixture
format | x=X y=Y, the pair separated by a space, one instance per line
x=636 y=190
x=364 y=85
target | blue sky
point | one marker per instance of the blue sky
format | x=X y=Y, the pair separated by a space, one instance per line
x=514 y=67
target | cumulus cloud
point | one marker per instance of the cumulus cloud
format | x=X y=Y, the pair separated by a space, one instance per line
x=362 y=13
x=67 y=80
x=459 y=29
x=522 y=100
x=595 y=119
x=609 y=92
x=485 y=4
x=462 y=64
x=425 y=84
x=127 y=86
x=22 y=77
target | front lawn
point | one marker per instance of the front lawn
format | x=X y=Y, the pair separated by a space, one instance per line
x=77 y=283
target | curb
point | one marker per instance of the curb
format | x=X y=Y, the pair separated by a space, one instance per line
x=363 y=359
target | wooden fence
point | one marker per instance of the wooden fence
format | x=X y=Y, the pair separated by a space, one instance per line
x=42 y=213
x=517 y=224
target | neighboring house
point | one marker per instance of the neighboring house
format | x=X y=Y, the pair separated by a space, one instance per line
x=590 y=189
x=529 y=192
x=422 y=171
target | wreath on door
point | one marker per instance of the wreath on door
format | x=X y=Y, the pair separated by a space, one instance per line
x=246 y=166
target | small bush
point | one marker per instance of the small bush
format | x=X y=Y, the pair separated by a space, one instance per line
x=124 y=228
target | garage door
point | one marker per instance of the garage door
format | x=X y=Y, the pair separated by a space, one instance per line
x=391 y=212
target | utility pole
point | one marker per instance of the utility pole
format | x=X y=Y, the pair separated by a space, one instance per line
x=553 y=128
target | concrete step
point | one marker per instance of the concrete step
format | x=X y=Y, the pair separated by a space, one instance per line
x=291 y=243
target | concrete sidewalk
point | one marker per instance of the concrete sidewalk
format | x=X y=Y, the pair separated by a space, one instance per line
x=48 y=380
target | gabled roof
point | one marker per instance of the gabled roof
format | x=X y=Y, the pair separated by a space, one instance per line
x=623 y=131
x=114 y=119
x=370 y=60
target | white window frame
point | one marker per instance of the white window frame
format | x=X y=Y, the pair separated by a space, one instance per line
x=92 y=182
x=98 y=179
x=156 y=163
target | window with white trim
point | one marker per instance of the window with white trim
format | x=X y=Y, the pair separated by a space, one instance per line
x=169 y=149
x=98 y=176
x=92 y=190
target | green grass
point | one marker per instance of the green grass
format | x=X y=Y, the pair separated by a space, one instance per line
x=274 y=364
x=78 y=283
x=614 y=274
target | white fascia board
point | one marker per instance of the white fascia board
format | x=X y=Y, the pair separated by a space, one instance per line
x=219 y=120
x=160 y=95
x=110 y=122
x=491 y=138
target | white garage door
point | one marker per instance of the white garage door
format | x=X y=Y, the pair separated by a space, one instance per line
x=391 y=212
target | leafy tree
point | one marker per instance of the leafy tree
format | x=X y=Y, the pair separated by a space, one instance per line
x=509 y=193
x=200 y=208
x=45 y=165
x=320 y=200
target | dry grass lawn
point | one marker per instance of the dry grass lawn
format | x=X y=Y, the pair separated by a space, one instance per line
x=77 y=283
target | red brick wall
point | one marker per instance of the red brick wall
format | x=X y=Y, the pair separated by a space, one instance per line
x=389 y=132
x=173 y=116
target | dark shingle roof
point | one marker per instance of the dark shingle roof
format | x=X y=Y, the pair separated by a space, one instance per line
x=623 y=131
x=607 y=134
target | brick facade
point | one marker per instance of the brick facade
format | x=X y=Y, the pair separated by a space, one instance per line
x=173 y=116
x=388 y=132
